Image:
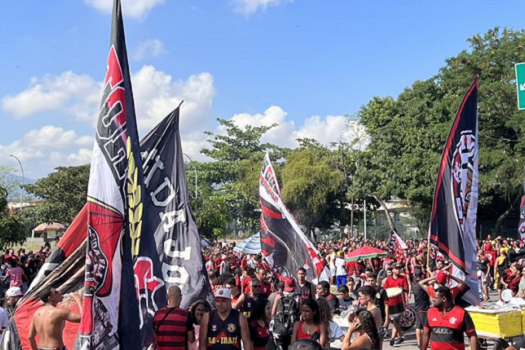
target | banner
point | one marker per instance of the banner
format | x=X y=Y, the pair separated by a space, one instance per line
x=169 y=214
x=283 y=244
x=115 y=210
x=453 y=221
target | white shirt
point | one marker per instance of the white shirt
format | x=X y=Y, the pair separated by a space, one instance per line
x=340 y=267
x=333 y=256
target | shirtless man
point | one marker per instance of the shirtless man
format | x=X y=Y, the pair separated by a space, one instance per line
x=367 y=297
x=48 y=321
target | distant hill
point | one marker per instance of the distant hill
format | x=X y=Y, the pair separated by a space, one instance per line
x=13 y=183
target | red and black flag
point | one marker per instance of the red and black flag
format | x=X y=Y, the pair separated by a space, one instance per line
x=169 y=215
x=66 y=246
x=117 y=241
x=454 y=209
x=283 y=244
x=63 y=270
x=397 y=245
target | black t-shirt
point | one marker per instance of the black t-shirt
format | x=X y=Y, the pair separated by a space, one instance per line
x=381 y=299
x=248 y=305
x=421 y=298
x=483 y=264
x=305 y=291
x=333 y=302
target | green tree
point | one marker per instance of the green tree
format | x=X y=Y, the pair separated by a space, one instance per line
x=231 y=179
x=212 y=214
x=63 y=193
x=408 y=133
x=12 y=229
x=313 y=188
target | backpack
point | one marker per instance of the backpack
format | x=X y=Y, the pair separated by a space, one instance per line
x=287 y=314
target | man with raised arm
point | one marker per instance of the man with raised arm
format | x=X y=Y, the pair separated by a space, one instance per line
x=48 y=321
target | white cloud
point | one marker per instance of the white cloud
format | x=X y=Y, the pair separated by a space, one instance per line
x=68 y=93
x=42 y=150
x=326 y=130
x=130 y=8
x=156 y=94
x=149 y=49
x=281 y=134
x=55 y=137
x=249 y=7
x=83 y=156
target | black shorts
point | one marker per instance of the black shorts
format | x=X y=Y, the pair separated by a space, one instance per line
x=421 y=319
x=500 y=286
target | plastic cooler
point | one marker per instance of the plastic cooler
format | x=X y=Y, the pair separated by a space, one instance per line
x=501 y=323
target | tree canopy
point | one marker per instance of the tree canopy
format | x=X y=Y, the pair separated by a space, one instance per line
x=408 y=133
x=63 y=193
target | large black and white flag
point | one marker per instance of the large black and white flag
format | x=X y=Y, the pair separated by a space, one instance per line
x=169 y=214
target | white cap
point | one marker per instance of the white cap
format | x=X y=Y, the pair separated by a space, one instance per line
x=223 y=293
x=14 y=292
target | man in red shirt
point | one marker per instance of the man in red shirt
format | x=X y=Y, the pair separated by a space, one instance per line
x=446 y=324
x=396 y=304
x=172 y=325
x=266 y=288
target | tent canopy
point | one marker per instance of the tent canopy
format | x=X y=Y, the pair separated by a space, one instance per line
x=251 y=245
x=54 y=226
x=365 y=253
x=205 y=243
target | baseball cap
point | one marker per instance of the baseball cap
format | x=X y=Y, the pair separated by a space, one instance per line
x=223 y=293
x=398 y=266
x=441 y=277
x=14 y=292
x=289 y=284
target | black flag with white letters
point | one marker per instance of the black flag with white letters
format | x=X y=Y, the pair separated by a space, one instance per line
x=168 y=213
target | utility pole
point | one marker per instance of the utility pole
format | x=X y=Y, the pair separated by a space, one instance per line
x=23 y=181
x=364 y=214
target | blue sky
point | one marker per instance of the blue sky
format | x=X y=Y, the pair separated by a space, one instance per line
x=303 y=64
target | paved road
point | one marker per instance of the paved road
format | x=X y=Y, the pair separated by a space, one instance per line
x=410 y=342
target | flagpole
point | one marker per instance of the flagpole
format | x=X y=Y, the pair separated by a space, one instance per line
x=428 y=250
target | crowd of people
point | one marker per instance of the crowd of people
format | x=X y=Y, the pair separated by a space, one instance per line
x=372 y=294
x=361 y=305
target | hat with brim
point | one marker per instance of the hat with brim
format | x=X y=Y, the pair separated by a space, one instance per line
x=14 y=292
x=224 y=293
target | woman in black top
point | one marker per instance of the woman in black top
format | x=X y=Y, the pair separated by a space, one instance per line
x=259 y=325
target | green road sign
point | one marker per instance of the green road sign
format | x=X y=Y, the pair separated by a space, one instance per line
x=520 y=84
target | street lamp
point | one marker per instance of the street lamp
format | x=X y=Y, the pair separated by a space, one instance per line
x=23 y=181
x=196 y=176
